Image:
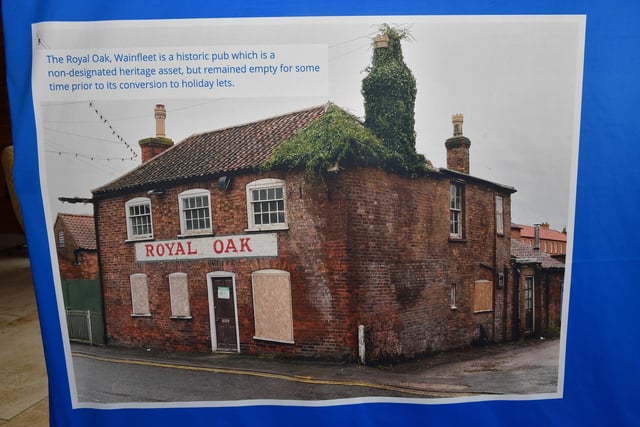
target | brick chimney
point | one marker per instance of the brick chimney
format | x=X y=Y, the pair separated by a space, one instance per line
x=153 y=146
x=458 y=147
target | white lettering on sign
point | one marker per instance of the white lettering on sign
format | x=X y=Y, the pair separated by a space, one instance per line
x=240 y=246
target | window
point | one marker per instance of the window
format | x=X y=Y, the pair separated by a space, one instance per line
x=528 y=303
x=455 y=211
x=482 y=296
x=272 y=309
x=266 y=205
x=195 y=212
x=499 y=216
x=139 y=295
x=139 y=224
x=452 y=296
x=179 y=293
x=61 y=239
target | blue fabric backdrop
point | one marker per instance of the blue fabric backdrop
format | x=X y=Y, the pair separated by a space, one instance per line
x=602 y=370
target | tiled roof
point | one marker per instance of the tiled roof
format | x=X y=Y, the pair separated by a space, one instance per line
x=212 y=153
x=547 y=234
x=522 y=251
x=82 y=229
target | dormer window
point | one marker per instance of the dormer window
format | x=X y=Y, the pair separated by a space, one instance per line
x=195 y=212
x=139 y=224
x=266 y=205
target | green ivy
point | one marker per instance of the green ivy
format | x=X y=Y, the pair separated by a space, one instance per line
x=338 y=137
x=387 y=138
x=389 y=91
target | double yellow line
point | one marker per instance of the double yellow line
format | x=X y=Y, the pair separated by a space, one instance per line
x=282 y=377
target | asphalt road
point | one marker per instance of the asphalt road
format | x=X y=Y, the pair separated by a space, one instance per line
x=118 y=376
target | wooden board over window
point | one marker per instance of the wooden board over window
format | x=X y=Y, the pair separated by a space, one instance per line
x=482 y=296
x=139 y=295
x=272 y=306
x=179 y=291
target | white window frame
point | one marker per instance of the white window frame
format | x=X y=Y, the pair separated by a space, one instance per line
x=197 y=192
x=452 y=296
x=499 y=215
x=455 y=210
x=61 y=239
x=138 y=201
x=264 y=184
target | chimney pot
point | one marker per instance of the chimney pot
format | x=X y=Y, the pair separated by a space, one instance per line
x=457 y=120
x=160 y=114
x=381 y=40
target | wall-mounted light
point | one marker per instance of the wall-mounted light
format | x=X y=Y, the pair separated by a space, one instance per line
x=224 y=182
x=156 y=191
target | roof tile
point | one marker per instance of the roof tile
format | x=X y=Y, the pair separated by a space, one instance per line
x=82 y=229
x=221 y=151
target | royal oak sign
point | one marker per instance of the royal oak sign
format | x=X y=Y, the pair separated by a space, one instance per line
x=239 y=246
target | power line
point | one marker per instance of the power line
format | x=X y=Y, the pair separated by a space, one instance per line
x=110 y=141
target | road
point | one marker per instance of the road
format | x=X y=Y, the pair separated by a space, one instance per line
x=111 y=376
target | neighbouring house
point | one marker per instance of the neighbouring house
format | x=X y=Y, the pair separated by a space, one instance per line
x=548 y=240
x=75 y=237
x=76 y=246
x=212 y=245
x=538 y=291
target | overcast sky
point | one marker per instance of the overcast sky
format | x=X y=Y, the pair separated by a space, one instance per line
x=517 y=81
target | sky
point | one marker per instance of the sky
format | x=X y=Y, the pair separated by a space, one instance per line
x=517 y=80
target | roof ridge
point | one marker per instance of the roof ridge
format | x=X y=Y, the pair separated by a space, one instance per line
x=255 y=122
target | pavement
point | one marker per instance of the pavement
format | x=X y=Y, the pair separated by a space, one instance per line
x=525 y=367
x=23 y=385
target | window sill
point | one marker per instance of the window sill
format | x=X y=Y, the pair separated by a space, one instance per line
x=283 y=227
x=140 y=315
x=141 y=239
x=482 y=311
x=189 y=236
x=457 y=239
x=274 y=340
x=180 y=317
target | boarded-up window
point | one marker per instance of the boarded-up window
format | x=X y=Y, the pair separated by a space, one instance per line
x=179 y=291
x=139 y=295
x=272 y=306
x=482 y=295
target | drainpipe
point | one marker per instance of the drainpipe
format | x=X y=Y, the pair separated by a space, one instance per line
x=516 y=296
x=361 y=346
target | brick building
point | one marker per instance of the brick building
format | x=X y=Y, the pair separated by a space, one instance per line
x=201 y=251
x=76 y=246
x=542 y=237
x=538 y=288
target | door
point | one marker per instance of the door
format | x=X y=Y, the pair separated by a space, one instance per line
x=224 y=314
x=529 y=308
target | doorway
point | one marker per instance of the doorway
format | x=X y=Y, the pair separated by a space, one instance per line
x=223 y=312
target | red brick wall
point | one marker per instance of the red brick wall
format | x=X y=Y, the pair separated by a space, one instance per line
x=312 y=251
x=364 y=247
x=83 y=265
x=403 y=262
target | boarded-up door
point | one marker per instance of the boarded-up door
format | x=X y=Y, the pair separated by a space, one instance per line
x=224 y=313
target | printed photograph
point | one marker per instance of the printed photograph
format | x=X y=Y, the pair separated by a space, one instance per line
x=398 y=230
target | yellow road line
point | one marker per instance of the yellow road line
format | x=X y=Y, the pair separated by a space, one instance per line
x=283 y=377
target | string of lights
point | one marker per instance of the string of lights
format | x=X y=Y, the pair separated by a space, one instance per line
x=113 y=131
